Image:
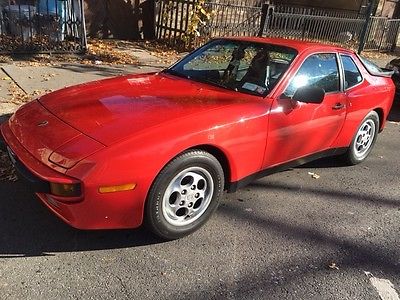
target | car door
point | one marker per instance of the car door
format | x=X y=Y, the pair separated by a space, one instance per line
x=298 y=129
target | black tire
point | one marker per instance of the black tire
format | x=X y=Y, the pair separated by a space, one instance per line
x=197 y=172
x=353 y=156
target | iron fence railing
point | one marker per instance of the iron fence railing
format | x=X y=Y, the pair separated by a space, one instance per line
x=45 y=26
x=316 y=11
x=382 y=34
x=239 y=18
x=345 y=31
x=232 y=20
x=172 y=18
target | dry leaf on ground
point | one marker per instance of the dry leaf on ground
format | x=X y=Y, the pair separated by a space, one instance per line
x=7 y=172
x=314 y=175
x=333 y=266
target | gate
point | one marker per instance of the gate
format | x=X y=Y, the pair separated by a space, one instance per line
x=232 y=20
x=46 y=26
x=235 y=18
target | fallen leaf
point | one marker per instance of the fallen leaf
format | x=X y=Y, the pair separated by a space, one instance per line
x=314 y=175
x=333 y=266
x=7 y=172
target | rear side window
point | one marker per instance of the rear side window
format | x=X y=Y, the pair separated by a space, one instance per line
x=352 y=75
x=319 y=70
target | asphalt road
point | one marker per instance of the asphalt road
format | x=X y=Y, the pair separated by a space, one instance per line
x=274 y=239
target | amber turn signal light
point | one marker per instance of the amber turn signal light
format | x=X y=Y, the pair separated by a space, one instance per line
x=117 y=188
x=65 y=189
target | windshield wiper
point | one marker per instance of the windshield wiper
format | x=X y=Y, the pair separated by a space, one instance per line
x=205 y=80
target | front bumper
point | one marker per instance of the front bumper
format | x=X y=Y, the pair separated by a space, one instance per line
x=35 y=183
x=91 y=211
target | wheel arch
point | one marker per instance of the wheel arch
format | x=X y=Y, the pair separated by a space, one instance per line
x=149 y=218
x=221 y=157
x=213 y=150
x=381 y=116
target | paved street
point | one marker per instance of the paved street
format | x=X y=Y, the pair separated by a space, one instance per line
x=274 y=239
x=287 y=236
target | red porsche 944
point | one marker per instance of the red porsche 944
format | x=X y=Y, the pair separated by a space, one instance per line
x=161 y=148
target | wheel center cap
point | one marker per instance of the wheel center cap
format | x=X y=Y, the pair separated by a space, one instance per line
x=191 y=197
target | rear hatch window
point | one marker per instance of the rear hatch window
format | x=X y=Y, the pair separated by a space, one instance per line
x=375 y=70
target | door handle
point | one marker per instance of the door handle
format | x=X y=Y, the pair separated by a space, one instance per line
x=338 y=106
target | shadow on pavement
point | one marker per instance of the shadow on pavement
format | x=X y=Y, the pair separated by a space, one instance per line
x=345 y=196
x=394 y=115
x=106 y=71
x=348 y=252
x=27 y=228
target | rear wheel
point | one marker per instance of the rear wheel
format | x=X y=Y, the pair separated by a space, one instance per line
x=364 y=139
x=184 y=194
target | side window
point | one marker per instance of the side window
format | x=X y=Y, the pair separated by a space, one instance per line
x=352 y=75
x=319 y=70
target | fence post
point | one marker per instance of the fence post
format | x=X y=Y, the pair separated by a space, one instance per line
x=303 y=28
x=148 y=8
x=264 y=13
x=365 y=31
x=83 y=29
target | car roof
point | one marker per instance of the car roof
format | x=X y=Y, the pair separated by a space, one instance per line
x=300 y=46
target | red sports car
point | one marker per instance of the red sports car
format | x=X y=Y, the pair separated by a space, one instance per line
x=161 y=148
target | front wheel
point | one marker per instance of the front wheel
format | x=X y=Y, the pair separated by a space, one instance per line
x=364 y=139
x=184 y=194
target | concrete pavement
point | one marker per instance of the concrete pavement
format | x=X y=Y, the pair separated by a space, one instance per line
x=41 y=78
x=34 y=78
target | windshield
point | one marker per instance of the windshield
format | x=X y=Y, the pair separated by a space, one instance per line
x=248 y=67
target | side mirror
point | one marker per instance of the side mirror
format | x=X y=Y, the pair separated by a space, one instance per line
x=309 y=94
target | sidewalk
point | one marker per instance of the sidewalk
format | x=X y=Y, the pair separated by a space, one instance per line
x=20 y=81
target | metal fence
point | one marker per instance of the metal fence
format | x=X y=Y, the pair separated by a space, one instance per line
x=382 y=34
x=344 y=31
x=316 y=11
x=46 y=26
x=235 y=18
x=172 y=19
x=232 y=20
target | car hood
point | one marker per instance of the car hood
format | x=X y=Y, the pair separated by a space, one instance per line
x=49 y=139
x=111 y=110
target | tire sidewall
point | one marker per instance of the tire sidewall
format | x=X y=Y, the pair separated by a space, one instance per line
x=353 y=159
x=154 y=214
